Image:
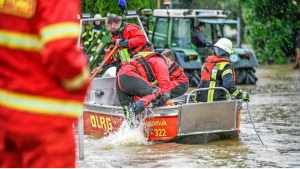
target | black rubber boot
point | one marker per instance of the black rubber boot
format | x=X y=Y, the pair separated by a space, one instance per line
x=132 y=111
x=129 y=116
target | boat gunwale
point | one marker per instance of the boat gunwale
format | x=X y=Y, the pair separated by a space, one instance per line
x=153 y=114
x=207 y=132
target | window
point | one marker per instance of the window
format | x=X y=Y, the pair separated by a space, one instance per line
x=181 y=32
x=230 y=32
x=161 y=33
x=208 y=33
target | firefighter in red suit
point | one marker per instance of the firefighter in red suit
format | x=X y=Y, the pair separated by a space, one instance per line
x=128 y=36
x=43 y=81
x=145 y=76
x=179 y=83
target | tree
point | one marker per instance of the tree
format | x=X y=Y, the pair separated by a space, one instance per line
x=271 y=27
x=104 y=7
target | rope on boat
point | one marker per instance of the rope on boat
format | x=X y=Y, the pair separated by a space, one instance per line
x=253 y=124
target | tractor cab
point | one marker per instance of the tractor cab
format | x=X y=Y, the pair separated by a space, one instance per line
x=214 y=30
x=173 y=29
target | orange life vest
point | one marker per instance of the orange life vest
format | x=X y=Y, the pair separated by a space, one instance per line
x=210 y=62
x=143 y=67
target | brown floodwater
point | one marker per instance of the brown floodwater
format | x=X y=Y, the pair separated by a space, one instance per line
x=275 y=109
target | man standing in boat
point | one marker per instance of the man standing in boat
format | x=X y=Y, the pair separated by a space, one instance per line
x=43 y=81
x=147 y=77
x=128 y=37
x=218 y=72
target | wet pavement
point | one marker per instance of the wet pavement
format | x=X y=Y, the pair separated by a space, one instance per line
x=275 y=109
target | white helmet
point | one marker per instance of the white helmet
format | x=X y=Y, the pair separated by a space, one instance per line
x=224 y=44
x=97 y=16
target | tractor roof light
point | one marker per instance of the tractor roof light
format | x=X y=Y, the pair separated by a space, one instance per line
x=85 y=15
x=146 y=12
x=131 y=12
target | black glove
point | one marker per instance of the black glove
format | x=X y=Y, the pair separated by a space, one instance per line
x=124 y=43
x=166 y=97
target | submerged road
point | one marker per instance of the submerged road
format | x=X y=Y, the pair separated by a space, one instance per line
x=275 y=108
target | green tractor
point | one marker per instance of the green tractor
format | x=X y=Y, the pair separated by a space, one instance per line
x=172 y=29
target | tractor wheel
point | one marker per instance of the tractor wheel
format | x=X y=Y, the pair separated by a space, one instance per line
x=193 y=76
x=245 y=76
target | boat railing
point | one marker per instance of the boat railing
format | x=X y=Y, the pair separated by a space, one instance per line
x=204 y=89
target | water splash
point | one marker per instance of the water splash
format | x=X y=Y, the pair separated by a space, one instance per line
x=124 y=137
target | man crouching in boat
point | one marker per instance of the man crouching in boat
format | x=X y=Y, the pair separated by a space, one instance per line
x=179 y=83
x=138 y=77
x=218 y=72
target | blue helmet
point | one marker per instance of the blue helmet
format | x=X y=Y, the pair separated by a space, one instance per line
x=122 y=4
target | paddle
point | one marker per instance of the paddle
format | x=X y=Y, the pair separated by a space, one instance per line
x=103 y=63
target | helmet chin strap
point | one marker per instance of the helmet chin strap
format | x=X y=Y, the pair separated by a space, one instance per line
x=225 y=57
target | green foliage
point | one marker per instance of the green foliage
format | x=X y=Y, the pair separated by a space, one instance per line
x=271 y=27
x=111 y=6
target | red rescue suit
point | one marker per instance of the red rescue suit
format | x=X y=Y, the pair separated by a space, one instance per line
x=43 y=81
x=179 y=83
x=138 y=78
x=137 y=40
